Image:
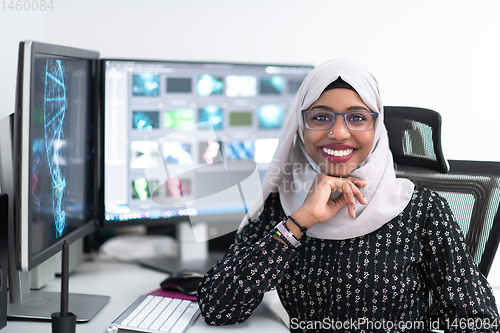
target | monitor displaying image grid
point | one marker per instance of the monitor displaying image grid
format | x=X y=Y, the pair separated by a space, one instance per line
x=150 y=109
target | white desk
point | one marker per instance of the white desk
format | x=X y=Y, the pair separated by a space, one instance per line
x=124 y=283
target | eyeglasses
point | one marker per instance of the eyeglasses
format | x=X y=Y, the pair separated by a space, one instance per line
x=324 y=120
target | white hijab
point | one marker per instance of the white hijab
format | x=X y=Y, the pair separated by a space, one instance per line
x=386 y=195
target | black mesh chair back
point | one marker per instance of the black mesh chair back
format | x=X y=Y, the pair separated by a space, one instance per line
x=415 y=137
x=472 y=188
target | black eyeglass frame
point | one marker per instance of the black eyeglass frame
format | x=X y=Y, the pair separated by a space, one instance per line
x=375 y=115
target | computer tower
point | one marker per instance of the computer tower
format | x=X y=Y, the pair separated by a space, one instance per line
x=3 y=259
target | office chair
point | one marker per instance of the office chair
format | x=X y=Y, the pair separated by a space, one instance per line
x=472 y=188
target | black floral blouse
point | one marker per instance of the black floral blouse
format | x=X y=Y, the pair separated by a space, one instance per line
x=380 y=282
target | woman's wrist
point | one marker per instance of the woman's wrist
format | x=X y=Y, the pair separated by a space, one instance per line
x=302 y=228
x=302 y=223
x=297 y=229
x=303 y=218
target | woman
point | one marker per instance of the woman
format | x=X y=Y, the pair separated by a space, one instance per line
x=348 y=245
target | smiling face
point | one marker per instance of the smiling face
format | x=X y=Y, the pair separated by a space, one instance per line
x=339 y=153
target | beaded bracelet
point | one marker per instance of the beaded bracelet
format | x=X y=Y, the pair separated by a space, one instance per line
x=280 y=236
x=303 y=229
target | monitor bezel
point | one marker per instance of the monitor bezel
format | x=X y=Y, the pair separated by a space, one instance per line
x=21 y=158
x=161 y=221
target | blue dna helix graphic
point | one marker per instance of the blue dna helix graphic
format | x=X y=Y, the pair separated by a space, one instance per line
x=55 y=105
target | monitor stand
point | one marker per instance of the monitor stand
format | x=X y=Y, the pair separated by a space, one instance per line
x=40 y=305
x=24 y=303
x=193 y=252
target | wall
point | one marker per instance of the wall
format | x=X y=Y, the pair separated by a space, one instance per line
x=439 y=54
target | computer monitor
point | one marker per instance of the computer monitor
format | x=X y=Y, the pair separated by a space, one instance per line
x=55 y=169
x=186 y=140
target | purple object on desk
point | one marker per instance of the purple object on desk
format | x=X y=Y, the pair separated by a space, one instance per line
x=172 y=294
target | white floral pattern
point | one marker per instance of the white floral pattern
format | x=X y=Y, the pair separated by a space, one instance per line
x=389 y=274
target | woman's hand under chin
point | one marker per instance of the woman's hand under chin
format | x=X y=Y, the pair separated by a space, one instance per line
x=318 y=208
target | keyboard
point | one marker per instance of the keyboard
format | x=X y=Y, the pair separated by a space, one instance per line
x=157 y=314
